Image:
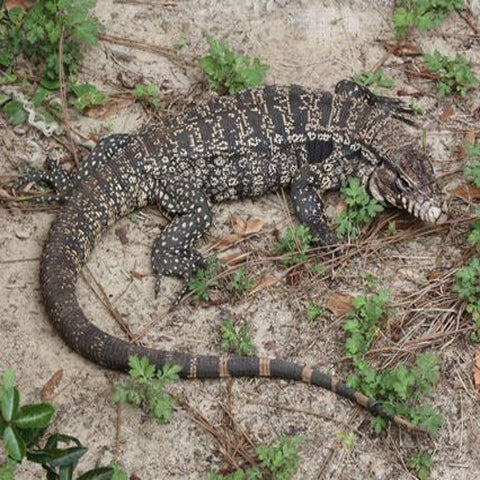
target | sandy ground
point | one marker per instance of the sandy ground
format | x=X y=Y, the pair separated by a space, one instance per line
x=314 y=43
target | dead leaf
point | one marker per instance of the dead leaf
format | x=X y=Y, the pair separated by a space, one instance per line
x=403 y=49
x=23 y=4
x=238 y=224
x=446 y=114
x=466 y=192
x=48 y=389
x=121 y=233
x=246 y=227
x=112 y=107
x=254 y=225
x=476 y=371
x=339 y=303
x=226 y=242
x=242 y=228
x=265 y=282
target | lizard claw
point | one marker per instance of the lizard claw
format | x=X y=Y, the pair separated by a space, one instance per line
x=158 y=282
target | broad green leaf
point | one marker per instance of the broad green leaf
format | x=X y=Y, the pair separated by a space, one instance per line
x=13 y=443
x=9 y=403
x=35 y=415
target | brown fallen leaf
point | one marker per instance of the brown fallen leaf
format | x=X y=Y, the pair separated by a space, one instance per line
x=339 y=303
x=121 y=233
x=48 y=389
x=238 y=224
x=403 y=49
x=446 y=114
x=112 y=107
x=23 y=4
x=265 y=282
x=254 y=225
x=137 y=275
x=461 y=150
x=476 y=371
x=466 y=192
x=226 y=242
x=242 y=228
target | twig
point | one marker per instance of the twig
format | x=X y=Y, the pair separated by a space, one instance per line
x=99 y=291
x=63 y=96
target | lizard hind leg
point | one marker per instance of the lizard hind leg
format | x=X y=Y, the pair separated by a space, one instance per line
x=172 y=253
x=64 y=182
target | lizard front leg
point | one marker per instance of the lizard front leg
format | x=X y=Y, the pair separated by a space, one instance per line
x=307 y=203
x=172 y=253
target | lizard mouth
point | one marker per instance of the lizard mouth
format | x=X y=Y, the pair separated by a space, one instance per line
x=429 y=210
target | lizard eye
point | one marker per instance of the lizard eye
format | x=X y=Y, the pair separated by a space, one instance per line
x=401 y=184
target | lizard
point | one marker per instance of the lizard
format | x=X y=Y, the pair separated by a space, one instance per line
x=240 y=146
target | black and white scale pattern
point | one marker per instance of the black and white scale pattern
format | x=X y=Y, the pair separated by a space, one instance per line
x=230 y=148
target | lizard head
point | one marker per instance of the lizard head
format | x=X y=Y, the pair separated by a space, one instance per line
x=408 y=183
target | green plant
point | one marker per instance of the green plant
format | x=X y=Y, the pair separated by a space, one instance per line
x=13 y=109
x=392 y=227
x=400 y=390
x=204 y=280
x=416 y=108
x=229 y=72
x=278 y=461
x=314 y=311
x=236 y=340
x=422 y=14
x=467 y=285
x=421 y=464
x=22 y=429
x=147 y=93
x=294 y=245
x=374 y=79
x=454 y=76
x=145 y=387
x=361 y=209
x=472 y=168
x=240 y=282
x=86 y=96
x=36 y=34
x=369 y=280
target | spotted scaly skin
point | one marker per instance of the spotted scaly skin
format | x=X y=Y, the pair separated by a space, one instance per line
x=232 y=147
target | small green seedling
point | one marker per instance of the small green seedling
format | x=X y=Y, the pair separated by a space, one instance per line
x=421 y=464
x=240 y=282
x=369 y=280
x=472 y=168
x=145 y=388
x=454 y=76
x=392 y=227
x=416 y=108
x=422 y=14
x=22 y=430
x=229 y=72
x=204 y=280
x=279 y=461
x=314 y=311
x=147 y=93
x=374 y=80
x=361 y=209
x=87 y=96
x=236 y=339
x=467 y=285
x=294 y=245
x=400 y=390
